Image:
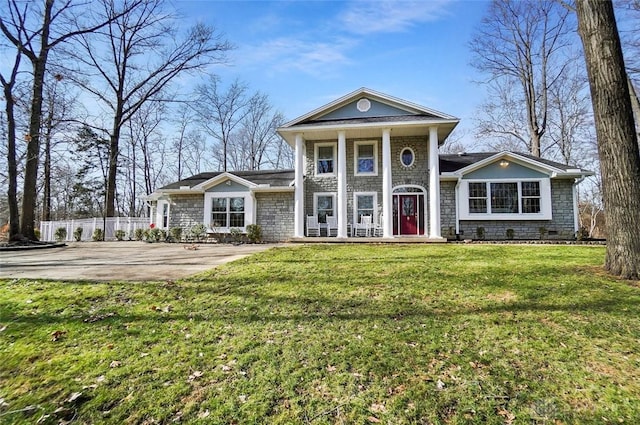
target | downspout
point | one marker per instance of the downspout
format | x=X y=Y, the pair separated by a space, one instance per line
x=457 y=207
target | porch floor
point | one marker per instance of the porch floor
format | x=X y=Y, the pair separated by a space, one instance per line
x=400 y=239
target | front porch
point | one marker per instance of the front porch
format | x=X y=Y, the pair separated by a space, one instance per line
x=369 y=240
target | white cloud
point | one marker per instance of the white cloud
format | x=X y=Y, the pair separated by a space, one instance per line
x=387 y=16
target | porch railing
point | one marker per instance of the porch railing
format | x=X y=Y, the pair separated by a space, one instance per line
x=109 y=226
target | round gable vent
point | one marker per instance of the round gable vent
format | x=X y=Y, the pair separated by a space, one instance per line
x=363 y=105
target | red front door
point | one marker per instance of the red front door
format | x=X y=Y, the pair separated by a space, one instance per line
x=408 y=214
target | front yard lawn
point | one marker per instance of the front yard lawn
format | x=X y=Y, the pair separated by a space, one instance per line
x=327 y=334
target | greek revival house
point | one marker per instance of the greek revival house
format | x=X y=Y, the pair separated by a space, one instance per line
x=368 y=165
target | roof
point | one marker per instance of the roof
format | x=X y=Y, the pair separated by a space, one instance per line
x=450 y=163
x=273 y=178
x=381 y=111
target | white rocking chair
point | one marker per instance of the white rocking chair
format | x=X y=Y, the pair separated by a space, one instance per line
x=313 y=227
x=332 y=225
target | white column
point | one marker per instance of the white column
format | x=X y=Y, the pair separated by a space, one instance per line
x=387 y=188
x=298 y=221
x=342 y=185
x=434 y=185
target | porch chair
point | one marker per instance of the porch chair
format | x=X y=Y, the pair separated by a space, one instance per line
x=313 y=227
x=376 y=230
x=332 y=225
x=364 y=227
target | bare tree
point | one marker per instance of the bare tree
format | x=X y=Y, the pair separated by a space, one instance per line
x=616 y=135
x=220 y=112
x=520 y=47
x=36 y=33
x=136 y=58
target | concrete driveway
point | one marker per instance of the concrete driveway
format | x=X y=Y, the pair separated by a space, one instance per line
x=131 y=261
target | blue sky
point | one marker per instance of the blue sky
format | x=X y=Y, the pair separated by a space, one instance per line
x=304 y=54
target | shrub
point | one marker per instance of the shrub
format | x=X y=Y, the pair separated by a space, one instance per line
x=153 y=235
x=138 y=234
x=98 y=235
x=543 y=231
x=254 y=233
x=198 y=231
x=37 y=234
x=510 y=233
x=61 y=234
x=582 y=234
x=236 y=235
x=120 y=234
x=480 y=232
x=77 y=234
x=176 y=233
x=162 y=235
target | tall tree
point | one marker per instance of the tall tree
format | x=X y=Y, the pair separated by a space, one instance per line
x=616 y=135
x=35 y=33
x=138 y=55
x=520 y=47
x=221 y=111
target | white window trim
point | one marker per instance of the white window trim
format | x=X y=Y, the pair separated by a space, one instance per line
x=315 y=201
x=374 y=219
x=545 y=201
x=375 y=157
x=334 y=146
x=249 y=207
x=413 y=155
x=159 y=210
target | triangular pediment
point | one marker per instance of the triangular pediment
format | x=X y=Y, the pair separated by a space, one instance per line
x=366 y=104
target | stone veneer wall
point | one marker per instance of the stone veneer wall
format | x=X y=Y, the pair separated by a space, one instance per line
x=275 y=214
x=417 y=174
x=561 y=226
x=186 y=211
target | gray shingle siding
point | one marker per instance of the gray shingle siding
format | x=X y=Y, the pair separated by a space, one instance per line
x=186 y=210
x=275 y=215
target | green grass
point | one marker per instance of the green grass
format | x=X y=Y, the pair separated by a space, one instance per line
x=332 y=334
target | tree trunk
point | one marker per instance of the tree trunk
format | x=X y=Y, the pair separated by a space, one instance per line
x=46 y=201
x=12 y=190
x=617 y=140
x=113 y=170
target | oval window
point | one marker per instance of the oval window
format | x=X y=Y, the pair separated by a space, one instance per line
x=407 y=157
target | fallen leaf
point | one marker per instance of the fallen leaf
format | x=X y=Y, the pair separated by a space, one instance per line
x=195 y=375
x=378 y=408
x=3 y=328
x=74 y=397
x=226 y=368
x=440 y=385
x=204 y=414
x=56 y=335
x=115 y=363
x=508 y=416
x=331 y=368
x=144 y=354
x=242 y=398
x=100 y=378
x=373 y=419
x=3 y=403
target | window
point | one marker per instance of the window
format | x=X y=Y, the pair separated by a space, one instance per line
x=366 y=158
x=324 y=205
x=477 y=197
x=407 y=157
x=165 y=216
x=227 y=212
x=506 y=200
x=530 y=197
x=365 y=204
x=325 y=159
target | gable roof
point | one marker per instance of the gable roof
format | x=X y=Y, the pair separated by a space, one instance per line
x=383 y=111
x=462 y=163
x=271 y=178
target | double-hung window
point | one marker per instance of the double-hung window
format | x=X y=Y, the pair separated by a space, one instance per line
x=366 y=158
x=324 y=205
x=325 y=159
x=365 y=204
x=227 y=212
x=507 y=200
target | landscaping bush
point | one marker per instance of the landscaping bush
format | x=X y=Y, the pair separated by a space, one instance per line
x=254 y=233
x=120 y=234
x=98 y=235
x=61 y=234
x=77 y=234
x=236 y=235
x=153 y=235
x=138 y=234
x=480 y=232
x=510 y=233
x=198 y=231
x=176 y=234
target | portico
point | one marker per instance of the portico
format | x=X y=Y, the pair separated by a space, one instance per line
x=350 y=153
